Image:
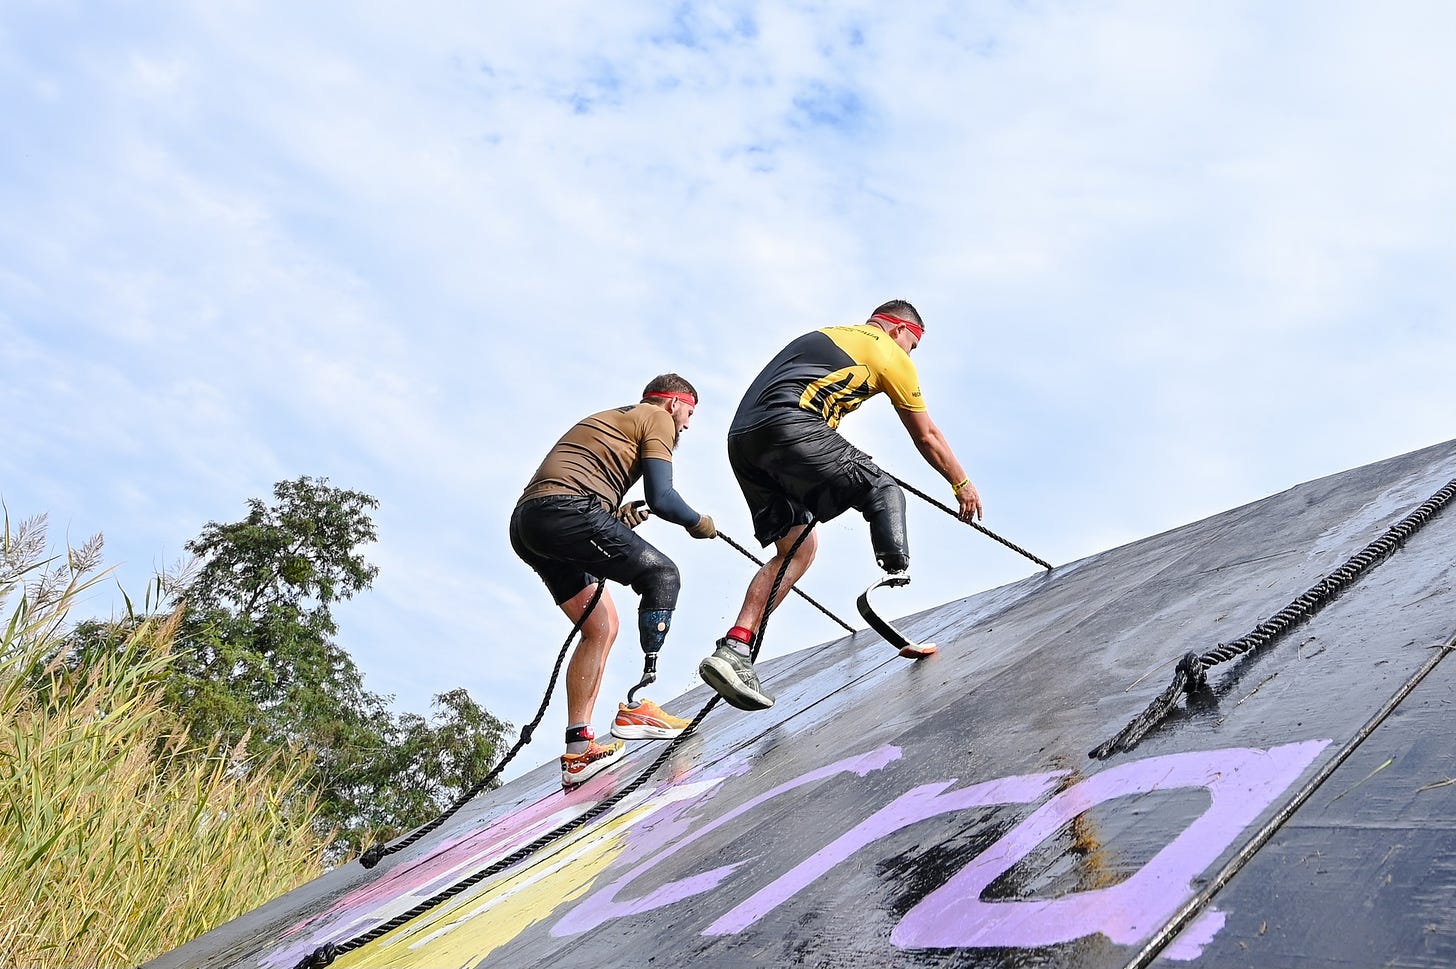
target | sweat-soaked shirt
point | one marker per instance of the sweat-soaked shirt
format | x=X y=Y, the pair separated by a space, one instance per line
x=602 y=454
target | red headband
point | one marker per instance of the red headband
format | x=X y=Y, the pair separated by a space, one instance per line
x=685 y=398
x=916 y=329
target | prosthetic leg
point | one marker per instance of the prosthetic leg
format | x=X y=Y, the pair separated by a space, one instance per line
x=884 y=509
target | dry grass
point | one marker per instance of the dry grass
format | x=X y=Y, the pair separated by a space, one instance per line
x=116 y=844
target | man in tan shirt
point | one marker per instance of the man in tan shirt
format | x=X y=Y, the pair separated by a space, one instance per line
x=571 y=527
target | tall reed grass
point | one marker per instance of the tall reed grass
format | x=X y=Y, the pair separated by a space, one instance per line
x=117 y=843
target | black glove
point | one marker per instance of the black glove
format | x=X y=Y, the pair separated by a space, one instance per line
x=703 y=529
x=633 y=513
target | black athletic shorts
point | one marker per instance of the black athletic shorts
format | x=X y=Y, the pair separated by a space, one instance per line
x=571 y=541
x=792 y=472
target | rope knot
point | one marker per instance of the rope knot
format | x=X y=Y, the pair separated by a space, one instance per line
x=1194 y=676
x=320 y=958
x=371 y=857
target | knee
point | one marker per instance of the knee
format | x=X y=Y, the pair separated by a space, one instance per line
x=604 y=618
x=658 y=582
x=805 y=555
x=602 y=625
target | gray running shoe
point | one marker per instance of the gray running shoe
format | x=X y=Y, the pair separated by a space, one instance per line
x=733 y=677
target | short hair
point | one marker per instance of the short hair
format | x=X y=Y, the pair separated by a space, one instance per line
x=669 y=383
x=902 y=309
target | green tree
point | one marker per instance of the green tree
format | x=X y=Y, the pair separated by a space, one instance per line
x=261 y=660
x=428 y=763
x=258 y=665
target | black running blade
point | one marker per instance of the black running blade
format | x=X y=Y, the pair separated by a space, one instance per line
x=906 y=646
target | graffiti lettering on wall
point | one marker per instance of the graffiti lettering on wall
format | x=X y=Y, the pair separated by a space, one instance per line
x=586 y=881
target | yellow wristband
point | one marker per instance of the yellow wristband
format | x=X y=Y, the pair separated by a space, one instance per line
x=955 y=489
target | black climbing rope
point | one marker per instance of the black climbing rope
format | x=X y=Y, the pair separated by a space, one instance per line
x=377 y=853
x=976 y=525
x=325 y=955
x=773 y=591
x=1191 y=674
x=1211 y=887
x=759 y=562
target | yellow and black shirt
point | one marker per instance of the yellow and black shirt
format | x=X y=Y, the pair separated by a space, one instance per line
x=827 y=374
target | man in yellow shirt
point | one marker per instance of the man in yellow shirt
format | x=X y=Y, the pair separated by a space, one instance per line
x=569 y=528
x=794 y=467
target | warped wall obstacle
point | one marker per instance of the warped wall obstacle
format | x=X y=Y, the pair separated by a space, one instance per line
x=1298 y=811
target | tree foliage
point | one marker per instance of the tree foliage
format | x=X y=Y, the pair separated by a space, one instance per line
x=258 y=674
x=260 y=657
x=259 y=666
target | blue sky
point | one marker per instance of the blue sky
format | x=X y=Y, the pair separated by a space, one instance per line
x=1172 y=258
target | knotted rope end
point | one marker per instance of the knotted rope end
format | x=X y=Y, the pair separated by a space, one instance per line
x=319 y=958
x=1157 y=711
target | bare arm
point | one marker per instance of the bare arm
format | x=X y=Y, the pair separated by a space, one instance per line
x=933 y=446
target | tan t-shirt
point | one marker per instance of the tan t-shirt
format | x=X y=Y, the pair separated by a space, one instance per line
x=602 y=454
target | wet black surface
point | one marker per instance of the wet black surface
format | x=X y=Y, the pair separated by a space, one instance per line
x=1365 y=874
x=972 y=829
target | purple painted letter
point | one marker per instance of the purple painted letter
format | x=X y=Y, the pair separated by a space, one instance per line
x=1241 y=782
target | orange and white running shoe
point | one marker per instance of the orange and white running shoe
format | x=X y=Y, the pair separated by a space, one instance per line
x=646 y=720
x=576 y=768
